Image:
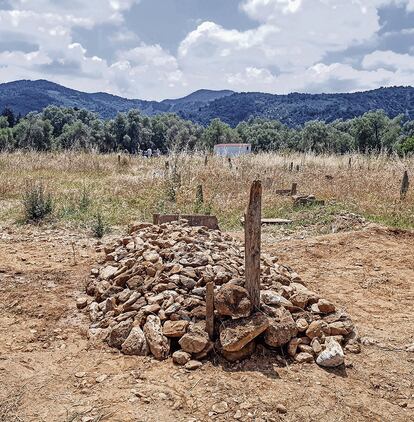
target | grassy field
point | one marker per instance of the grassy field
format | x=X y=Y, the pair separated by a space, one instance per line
x=84 y=185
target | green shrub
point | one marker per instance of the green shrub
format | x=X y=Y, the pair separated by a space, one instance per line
x=36 y=202
x=98 y=227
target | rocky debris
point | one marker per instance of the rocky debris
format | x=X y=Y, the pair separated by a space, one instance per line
x=157 y=342
x=235 y=334
x=149 y=297
x=233 y=300
x=193 y=364
x=332 y=356
x=181 y=358
x=135 y=343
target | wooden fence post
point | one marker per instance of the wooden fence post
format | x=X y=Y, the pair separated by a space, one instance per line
x=210 y=309
x=404 y=186
x=294 y=190
x=252 y=236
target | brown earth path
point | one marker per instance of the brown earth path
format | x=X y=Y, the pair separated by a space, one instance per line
x=50 y=372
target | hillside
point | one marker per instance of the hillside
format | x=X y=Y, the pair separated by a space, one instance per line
x=204 y=105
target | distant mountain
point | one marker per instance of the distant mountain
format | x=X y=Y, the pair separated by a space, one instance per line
x=204 y=105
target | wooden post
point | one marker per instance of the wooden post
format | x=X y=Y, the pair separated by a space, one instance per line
x=205 y=160
x=294 y=190
x=252 y=236
x=404 y=186
x=350 y=162
x=210 y=309
x=291 y=166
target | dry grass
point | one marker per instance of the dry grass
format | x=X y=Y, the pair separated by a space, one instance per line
x=139 y=187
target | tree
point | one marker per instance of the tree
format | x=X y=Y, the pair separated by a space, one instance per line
x=218 y=132
x=9 y=115
x=33 y=133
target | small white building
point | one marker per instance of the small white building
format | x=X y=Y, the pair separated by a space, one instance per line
x=232 y=150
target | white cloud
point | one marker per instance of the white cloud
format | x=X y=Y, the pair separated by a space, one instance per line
x=285 y=51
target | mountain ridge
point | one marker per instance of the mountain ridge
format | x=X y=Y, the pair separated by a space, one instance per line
x=202 y=106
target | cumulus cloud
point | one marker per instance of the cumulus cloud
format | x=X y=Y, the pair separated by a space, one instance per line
x=284 y=51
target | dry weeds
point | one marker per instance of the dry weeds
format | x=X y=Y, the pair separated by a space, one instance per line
x=137 y=187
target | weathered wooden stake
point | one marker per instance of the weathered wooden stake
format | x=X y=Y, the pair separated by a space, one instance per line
x=291 y=166
x=252 y=237
x=294 y=190
x=206 y=160
x=230 y=163
x=404 y=186
x=210 y=309
x=350 y=162
x=297 y=167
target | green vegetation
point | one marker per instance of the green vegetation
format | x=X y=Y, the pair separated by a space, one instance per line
x=37 y=203
x=63 y=129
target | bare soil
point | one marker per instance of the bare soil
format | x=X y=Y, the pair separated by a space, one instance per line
x=49 y=371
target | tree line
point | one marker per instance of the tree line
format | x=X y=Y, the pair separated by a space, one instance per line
x=61 y=129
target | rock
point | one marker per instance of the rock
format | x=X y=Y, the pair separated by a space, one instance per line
x=299 y=299
x=82 y=302
x=180 y=357
x=280 y=329
x=325 y=306
x=332 y=356
x=293 y=347
x=157 y=342
x=316 y=329
x=135 y=343
x=281 y=409
x=353 y=348
x=175 y=328
x=339 y=328
x=221 y=407
x=316 y=346
x=269 y=297
x=235 y=334
x=108 y=272
x=304 y=357
x=233 y=300
x=119 y=333
x=101 y=378
x=194 y=341
x=193 y=364
x=241 y=354
x=302 y=325
x=237 y=415
x=151 y=256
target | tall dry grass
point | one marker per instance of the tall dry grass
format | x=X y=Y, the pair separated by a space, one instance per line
x=138 y=187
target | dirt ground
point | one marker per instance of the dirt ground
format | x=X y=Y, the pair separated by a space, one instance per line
x=50 y=372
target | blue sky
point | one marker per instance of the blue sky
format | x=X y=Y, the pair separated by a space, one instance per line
x=155 y=49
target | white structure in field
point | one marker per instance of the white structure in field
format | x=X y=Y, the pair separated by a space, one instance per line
x=232 y=150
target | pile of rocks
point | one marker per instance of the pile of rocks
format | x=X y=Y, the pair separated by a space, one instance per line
x=149 y=297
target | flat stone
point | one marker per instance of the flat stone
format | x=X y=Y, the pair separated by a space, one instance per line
x=157 y=342
x=233 y=300
x=235 y=334
x=304 y=357
x=332 y=356
x=108 y=272
x=175 y=328
x=281 y=329
x=269 y=297
x=241 y=354
x=193 y=364
x=221 y=407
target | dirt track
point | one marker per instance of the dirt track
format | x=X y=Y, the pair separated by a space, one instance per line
x=50 y=372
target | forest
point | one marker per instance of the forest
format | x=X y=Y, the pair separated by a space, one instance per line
x=60 y=129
